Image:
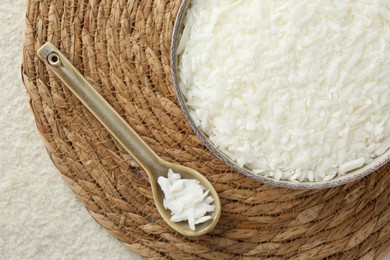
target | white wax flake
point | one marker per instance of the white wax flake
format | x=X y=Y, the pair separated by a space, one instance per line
x=351 y=165
x=383 y=147
x=186 y=199
x=296 y=90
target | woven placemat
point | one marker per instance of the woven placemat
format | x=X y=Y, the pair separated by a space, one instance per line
x=122 y=47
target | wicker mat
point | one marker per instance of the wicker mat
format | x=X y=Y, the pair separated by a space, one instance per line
x=122 y=47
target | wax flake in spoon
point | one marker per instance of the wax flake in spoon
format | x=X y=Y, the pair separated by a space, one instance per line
x=187 y=199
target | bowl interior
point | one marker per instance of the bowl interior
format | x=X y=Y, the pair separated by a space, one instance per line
x=338 y=180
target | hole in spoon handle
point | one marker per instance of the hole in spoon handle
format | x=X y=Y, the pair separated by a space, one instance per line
x=53 y=59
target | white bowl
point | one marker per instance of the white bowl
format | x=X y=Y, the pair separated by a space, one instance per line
x=338 y=180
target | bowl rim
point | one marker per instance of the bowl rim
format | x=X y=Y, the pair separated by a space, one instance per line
x=351 y=176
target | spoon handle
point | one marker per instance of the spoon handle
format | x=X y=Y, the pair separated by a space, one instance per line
x=99 y=107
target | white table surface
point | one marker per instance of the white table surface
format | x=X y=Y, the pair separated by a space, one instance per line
x=40 y=217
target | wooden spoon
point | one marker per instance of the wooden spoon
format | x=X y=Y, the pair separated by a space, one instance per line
x=129 y=139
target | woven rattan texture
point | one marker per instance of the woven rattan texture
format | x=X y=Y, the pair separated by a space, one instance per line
x=122 y=47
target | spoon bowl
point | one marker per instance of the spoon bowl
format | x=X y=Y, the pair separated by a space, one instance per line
x=153 y=165
x=186 y=173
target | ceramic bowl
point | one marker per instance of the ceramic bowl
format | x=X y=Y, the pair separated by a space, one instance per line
x=338 y=180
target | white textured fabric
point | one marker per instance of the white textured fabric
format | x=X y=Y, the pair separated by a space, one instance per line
x=40 y=217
